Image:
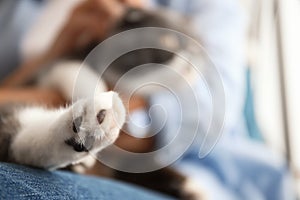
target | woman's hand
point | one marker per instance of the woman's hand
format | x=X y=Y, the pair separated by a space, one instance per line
x=42 y=97
x=90 y=21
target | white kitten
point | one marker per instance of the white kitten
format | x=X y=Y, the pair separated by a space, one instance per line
x=53 y=139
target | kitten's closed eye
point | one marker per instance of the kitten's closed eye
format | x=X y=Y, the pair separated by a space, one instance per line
x=101 y=116
x=76 y=124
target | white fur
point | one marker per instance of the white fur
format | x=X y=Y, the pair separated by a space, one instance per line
x=84 y=164
x=192 y=187
x=41 y=140
x=75 y=80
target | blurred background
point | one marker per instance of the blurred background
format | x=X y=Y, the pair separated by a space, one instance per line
x=272 y=60
x=274 y=63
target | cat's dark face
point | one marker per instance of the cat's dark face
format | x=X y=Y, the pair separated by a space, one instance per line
x=138 y=18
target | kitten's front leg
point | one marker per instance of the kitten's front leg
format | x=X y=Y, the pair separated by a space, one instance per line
x=57 y=138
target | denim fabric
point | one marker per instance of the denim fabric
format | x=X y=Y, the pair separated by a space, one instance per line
x=241 y=169
x=19 y=182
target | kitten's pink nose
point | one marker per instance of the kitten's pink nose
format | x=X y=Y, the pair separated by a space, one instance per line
x=101 y=116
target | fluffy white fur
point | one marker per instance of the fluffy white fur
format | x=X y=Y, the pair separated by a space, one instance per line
x=192 y=187
x=73 y=79
x=41 y=139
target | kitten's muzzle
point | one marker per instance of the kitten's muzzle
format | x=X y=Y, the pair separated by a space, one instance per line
x=80 y=146
x=77 y=146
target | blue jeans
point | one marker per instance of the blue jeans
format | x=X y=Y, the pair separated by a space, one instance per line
x=19 y=182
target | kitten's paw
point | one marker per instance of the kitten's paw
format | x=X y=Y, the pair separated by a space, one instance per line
x=96 y=122
x=83 y=165
x=192 y=191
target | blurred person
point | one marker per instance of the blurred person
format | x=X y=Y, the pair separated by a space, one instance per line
x=92 y=17
x=245 y=170
x=237 y=167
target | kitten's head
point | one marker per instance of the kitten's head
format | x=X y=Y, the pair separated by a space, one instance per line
x=95 y=123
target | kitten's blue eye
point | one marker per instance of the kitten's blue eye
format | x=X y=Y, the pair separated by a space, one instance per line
x=76 y=124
